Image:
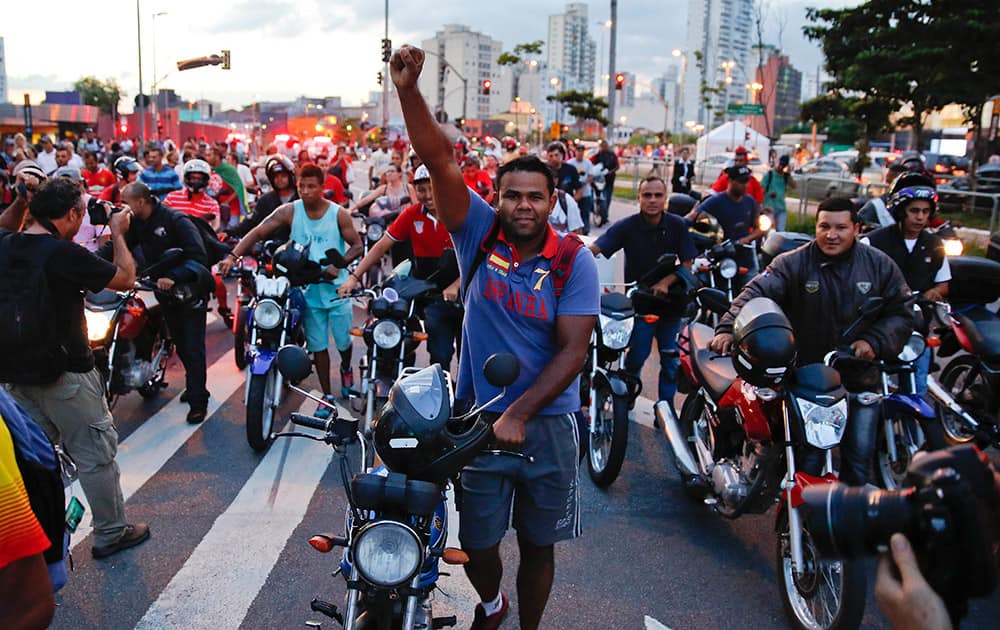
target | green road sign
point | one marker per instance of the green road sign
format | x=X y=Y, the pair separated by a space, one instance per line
x=745 y=109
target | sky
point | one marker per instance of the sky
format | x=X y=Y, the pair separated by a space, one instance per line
x=285 y=48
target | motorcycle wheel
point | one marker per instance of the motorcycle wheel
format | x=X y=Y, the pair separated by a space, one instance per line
x=890 y=474
x=962 y=379
x=827 y=595
x=260 y=412
x=155 y=385
x=241 y=340
x=606 y=445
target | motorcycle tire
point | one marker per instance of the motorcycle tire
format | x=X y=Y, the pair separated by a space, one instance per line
x=799 y=591
x=606 y=447
x=260 y=412
x=241 y=340
x=153 y=388
x=966 y=366
x=887 y=474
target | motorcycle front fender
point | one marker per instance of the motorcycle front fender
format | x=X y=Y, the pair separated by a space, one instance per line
x=612 y=380
x=908 y=405
x=261 y=360
x=802 y=481
x=382 y=387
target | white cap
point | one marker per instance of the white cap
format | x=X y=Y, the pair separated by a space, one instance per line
x=421 y=173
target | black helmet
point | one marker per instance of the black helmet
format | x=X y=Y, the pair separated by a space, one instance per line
x=679 y=203
x=279 y=164
x=901 y=198
x=125 y=165
x=763 y=343
x=292 y=260
x=912 y=161
x=412 y=434
x=192 y=293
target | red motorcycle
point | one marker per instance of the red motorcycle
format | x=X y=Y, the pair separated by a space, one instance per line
x=755 y=430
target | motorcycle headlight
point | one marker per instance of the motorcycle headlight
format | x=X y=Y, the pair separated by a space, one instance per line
x=387 y=553
x=98 y=324
x=268 y=314
x=953 y=247
x=914 y=347
x=728 y=268
x=616 y=333
x=764 y=222
x=374 y=232
x=387 y=334
x=824 y=426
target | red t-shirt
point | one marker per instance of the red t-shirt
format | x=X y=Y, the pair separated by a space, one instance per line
x=98 y=181
x=197 y=204
x=428 y=236
x=481 y=183
x=753 y=186
x=333 y=183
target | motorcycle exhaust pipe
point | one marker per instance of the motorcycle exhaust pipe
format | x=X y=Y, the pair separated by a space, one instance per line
x=678 y=444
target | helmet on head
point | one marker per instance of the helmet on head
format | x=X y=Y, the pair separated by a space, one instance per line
x=509 y=143
x=901 y=198
x=763 y=343
x=196 y=175
x=125 y=165
x=279 y=164
x=912 y=161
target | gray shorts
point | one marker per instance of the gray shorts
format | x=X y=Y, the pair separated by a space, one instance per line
x=544 y=494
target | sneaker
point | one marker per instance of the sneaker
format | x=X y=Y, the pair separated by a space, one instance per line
x=346 y=383
x=132 y=536
x=322 y=411
x=483 y=622
x=197 y=415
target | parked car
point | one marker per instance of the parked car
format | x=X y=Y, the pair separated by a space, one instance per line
x=874 y=173
x=707 y=171
x=986 y=180
x=946 y=167
x=826 y=177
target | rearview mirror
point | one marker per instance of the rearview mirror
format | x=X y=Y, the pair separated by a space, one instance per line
x=294 y=363
x=501 y=369
x=713 y=299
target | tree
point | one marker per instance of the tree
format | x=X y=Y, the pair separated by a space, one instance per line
x=102 y=94
x=516 y=59
x=582 y=105
x=706 y=93
x=849 y=120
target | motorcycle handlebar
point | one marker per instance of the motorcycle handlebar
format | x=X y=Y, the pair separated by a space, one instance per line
x=312 y=422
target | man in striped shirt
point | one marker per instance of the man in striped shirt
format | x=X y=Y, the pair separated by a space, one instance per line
x=159 y=177
x=193 y=199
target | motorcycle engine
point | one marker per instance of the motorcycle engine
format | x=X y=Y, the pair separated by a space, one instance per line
x=729 y=484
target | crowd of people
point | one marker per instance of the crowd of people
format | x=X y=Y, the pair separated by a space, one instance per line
x=508 y=211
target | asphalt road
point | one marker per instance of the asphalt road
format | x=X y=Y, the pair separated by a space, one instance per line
x=229 y=531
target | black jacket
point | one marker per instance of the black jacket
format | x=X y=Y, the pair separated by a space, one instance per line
x=682 y=169
x=165 y=229
x=920 y=266
x=821 y=297
x=265 y=206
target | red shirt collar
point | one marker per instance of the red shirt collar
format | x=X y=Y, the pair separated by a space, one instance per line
x=548 y=248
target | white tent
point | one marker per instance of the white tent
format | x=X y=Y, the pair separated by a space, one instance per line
x=728 y=136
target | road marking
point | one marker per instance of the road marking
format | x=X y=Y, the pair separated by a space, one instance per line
x=220 y=580
x=653 y=624
x=149 y=447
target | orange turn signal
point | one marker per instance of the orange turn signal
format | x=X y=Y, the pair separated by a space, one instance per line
x=934 y=342
x=743 y=270
x=650 y=319
x=454 y=556
x=357 y=332
x=420 y=336
x=322 y=544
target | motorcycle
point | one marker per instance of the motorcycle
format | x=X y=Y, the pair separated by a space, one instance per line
x=128 y=334
x=397 y=520
x=371 y=231
x=752 y=434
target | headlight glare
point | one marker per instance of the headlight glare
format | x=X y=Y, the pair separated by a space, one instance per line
x=387 y=334
x=98 y=324
x=914 y=347
x=374 y=232
x=616 y=333
x=728 y=268
x=824 y=426
x=268 y=314
x=387 y=553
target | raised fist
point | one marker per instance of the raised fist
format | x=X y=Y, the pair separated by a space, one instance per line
x=405 y=66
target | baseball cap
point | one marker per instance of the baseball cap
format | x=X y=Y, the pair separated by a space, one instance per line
x=741 y=151
x=69 y=172
x=421 y=174
x=738 y=173
x=45 y=138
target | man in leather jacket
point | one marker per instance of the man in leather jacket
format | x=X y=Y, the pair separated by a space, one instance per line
x=156 y=228
x=281 y=174
x=821 y=287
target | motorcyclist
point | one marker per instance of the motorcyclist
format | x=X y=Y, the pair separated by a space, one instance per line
x=419 y=225
x=281 y=174
x=821 y=287
x=156 y=228
x=874 y=213
x=918 y=253
x=127 y=171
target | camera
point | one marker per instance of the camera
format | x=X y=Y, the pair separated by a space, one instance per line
x=100 y=211
x=947 y=509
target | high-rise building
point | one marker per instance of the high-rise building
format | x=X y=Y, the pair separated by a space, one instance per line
x=470 y=55
x=720 y=31
x=780 y=95
x=3 y=73
x=572 y=52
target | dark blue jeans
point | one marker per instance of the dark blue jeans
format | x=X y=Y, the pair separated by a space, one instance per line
x=187 y=327
x=665 y=331
x=443 y=324
x=586 y=208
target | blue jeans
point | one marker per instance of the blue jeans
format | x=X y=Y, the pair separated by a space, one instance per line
x=922 y=367
x=443 y=324
x=586 y=207
x=665 y=331
x=608 y=193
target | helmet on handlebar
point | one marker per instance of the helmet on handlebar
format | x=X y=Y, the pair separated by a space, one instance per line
x=196 y=175
x=292 y=259
x=763 y=343
x=679 y=203
x=413 y=435
x=278 y=163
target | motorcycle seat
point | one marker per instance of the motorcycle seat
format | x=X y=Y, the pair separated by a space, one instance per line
x=983 y=329
x=700 y=336
x=616 y=306
x=715 y=372
x=106 y=300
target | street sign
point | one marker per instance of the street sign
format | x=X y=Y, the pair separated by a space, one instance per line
x=745 y=109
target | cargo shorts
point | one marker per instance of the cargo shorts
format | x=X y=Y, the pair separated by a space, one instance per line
x=543 y=496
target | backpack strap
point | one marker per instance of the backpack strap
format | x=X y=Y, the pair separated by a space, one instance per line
x=562 y=262
x=484 y=250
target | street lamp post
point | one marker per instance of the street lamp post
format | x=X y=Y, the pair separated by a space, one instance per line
x=555 y=83
x=153 y=89
x=142 y=107
x=465 y=82
x=611 y=65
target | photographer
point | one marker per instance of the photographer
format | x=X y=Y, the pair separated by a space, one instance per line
x=47 y=364
x=157 y=228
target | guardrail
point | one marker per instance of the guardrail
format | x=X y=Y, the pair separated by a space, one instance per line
x=993 y=197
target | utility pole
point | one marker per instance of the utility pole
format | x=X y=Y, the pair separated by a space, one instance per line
x=611 y=70
x=385 y=81
x=142 y=104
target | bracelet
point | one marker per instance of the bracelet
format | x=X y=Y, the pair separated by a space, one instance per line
x=353 y=275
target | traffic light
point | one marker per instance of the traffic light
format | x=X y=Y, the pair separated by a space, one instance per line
x=124 y=127
x=487 y=85
x=620 y=81
x=225 y=60
x=386 y=50
x=378 y=77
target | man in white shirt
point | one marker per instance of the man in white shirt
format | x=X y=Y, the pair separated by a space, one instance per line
x=47 y=156
x=380 y=161
x=585 y=194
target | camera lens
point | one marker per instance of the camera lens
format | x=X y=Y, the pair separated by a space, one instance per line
x=847 y=522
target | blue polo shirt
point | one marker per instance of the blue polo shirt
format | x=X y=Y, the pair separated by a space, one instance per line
x=644 y=243
x=511 y=306
x=735 y=217
x=162 y=181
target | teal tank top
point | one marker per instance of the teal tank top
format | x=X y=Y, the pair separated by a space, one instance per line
x=320 y=235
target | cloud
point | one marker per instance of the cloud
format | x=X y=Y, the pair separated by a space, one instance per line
x=277 y=17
